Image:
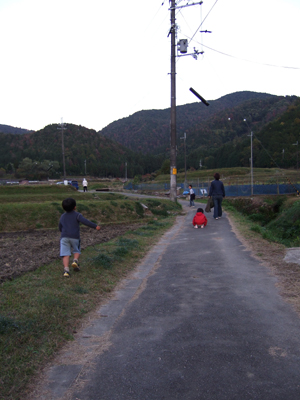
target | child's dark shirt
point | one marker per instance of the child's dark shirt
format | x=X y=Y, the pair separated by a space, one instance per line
x=69 y=224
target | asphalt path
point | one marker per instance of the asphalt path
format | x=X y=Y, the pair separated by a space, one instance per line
x=200 y=318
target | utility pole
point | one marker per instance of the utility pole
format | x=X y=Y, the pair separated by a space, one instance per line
x=183 y=44
x=251 y=135
x=251 y=159
x=185 y=180
x=173 y=169
x=126 y=171
x=62 y=127
x=84 y=167
x=296 y=144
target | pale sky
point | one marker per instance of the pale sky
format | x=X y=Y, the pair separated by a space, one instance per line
x=92 y=62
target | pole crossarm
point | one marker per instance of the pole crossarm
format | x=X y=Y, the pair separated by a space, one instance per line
x=186 y=5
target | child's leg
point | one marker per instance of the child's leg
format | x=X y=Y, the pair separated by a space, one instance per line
x=66 y=260
x=65 y=251
x=75 y=263
x=76 y=252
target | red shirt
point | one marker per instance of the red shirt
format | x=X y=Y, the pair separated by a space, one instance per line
x=199 y=219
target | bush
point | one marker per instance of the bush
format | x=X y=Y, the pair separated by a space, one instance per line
x=139 y=209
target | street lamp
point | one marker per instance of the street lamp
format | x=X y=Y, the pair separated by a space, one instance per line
x=251 y=159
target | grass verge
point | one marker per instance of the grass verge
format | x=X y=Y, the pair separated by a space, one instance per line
x=24 y=208
x=275 y=218
x=269 y=253
x=41 y=310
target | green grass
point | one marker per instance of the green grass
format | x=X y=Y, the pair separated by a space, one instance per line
x=40 y=311
x=100 y=208
x=276 y=218
x=236 y=175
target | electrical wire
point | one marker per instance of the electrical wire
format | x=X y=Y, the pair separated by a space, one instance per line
x=204 y=20
x=244 y=59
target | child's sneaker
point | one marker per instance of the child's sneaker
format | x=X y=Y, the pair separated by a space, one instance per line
x=196 y=226
x=66 y=274
x=202 y=226
x=75 y=266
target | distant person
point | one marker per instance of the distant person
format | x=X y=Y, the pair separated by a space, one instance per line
x=70 y=234
x=192 y=196
x=199 y=219
x=84 y=184
x=217 y=193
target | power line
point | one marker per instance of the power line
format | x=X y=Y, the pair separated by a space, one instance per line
x=204 y=20
x=244 y=59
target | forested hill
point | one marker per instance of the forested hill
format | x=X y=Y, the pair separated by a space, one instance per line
x=274 y=145
x=149 y=131
x=35 y=152
x=13 y=130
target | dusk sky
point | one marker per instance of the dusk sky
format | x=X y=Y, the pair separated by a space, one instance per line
x=93 y=62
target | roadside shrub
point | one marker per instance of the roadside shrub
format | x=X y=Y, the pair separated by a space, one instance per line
x=153 y=203
x=121 y=251
x=163 y=213
x=129 y=206
x=139 y=209
x=256 y=228
x=103 y=260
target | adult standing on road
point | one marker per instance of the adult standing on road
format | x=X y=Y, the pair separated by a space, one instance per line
x=84 y=184
x=217 y=192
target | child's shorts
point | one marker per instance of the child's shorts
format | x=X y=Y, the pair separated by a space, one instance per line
x=68 y=244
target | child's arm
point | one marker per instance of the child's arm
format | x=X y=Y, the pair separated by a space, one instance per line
x=87 y=222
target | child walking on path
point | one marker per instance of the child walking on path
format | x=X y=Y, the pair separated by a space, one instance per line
x=199 y=219
x=70 y=234
x=192 y=196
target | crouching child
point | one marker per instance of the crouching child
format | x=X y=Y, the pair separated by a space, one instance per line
x=199 y=219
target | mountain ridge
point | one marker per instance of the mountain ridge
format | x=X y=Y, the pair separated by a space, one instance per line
x=147 y=131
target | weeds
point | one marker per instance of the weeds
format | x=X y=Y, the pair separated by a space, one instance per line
x=277 y=219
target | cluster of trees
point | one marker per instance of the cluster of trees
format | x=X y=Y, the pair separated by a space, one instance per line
x=149 y=131
x=30 y=155
x=216 y=135
x=224 y=140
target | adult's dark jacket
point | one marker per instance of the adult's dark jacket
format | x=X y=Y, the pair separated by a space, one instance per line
x=217 y=188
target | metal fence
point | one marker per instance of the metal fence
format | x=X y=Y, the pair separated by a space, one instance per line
x=202 y=188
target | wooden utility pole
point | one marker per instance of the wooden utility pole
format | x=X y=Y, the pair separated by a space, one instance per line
x=62 y=127
x=173 y=168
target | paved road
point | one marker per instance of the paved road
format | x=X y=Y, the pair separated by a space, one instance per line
x=199 y=319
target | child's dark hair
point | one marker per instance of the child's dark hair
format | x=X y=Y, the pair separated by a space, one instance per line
x=200 y=210
x=69 y=204
x=217 y=176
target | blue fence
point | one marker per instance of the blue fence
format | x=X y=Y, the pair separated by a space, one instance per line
x=231 y=190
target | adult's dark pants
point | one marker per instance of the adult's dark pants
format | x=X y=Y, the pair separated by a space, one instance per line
x=217 y=206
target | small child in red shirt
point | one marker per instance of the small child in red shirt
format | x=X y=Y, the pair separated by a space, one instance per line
x=199 y=219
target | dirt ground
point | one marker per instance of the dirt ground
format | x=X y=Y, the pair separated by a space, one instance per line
x=26 y=251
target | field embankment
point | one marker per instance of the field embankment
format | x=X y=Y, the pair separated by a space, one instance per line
x=39 y=309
